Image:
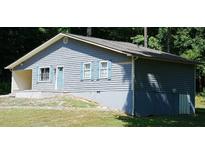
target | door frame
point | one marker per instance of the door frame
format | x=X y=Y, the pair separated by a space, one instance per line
x=56 y=81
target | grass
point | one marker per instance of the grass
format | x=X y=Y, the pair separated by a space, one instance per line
x=41 y=117
x=82 y=113
x=51 y=102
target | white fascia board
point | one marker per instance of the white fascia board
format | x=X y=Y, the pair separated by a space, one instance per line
x=35 y=51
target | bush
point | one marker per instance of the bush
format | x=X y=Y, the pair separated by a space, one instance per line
x=5 y=87
x=201 y=93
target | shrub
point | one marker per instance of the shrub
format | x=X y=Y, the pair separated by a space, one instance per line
x=5 y=87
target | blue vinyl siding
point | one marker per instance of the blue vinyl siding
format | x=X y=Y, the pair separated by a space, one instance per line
x=71 y=56
x=81 y=71
x=158 y=85
x=36 y=74
x=97 y=65
x=92 y=70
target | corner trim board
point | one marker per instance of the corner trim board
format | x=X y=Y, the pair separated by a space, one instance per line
x=133 y=85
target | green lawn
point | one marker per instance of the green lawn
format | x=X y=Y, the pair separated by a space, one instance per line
x=84 y=114
x=65 y=101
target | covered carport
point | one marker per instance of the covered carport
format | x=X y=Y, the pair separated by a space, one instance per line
x=21 y=80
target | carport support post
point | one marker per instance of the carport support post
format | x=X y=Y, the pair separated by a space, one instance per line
x=133 y=85
x=11 y=80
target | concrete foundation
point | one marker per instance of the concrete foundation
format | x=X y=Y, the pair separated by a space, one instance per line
x=120 y=100
x=36 y=94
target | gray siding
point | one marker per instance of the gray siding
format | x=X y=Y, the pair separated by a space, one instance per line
x=107 y=92
x=158 y=85
x=120 y=100
x=70 y=56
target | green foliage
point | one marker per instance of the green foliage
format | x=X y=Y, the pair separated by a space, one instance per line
x=117 y=33
x=162 y=36
x=190 y=43
x=5 y=87
x=191 y=54
x=63 y=30
x=139 y=39
x=186 y=42
x=152 y=41
x=43 y=30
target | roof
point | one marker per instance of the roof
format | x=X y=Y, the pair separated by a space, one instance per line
x=121 y=47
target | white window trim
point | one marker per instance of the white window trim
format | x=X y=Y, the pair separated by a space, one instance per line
x=49 y=80
x=84 y=71
x=100 y=69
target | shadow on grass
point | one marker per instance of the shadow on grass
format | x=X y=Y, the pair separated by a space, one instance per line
x=197 y=120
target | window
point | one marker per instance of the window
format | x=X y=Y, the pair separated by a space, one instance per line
x=103 y=69
x=87 y=70
x=44 y=74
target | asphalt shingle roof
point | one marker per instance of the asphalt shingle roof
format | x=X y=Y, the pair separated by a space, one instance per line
x=117 y=46
x=136 y=50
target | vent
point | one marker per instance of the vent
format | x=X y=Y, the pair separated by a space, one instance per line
x=65 y=40
x=184 y=104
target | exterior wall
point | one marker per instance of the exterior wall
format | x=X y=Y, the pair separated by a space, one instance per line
x=21 y=80
x=158 y=85
x=157 y=88
x=120 y=100
x=71 y=56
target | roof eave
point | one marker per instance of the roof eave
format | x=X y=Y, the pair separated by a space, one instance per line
x=53 y=40
x=187 y=62
x=61 y=35
x=35 y=51
x=99 y=45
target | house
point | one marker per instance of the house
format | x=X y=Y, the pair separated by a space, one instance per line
x=120 y=75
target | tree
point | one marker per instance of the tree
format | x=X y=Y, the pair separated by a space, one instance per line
x=153 y=42
x=190 y=42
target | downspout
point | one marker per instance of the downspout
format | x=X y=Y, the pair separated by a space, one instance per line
x=133 y=85
x=194 y=87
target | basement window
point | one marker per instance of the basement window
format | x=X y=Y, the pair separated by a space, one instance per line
x=44 y=74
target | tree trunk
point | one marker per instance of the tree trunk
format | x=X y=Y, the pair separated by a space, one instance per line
x=168 y=38
x=89 y=31
x=145 y=37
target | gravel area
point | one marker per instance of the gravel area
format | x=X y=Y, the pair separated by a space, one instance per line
x=54 y=103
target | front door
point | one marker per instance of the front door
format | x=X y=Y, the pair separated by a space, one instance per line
x=59 y=78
